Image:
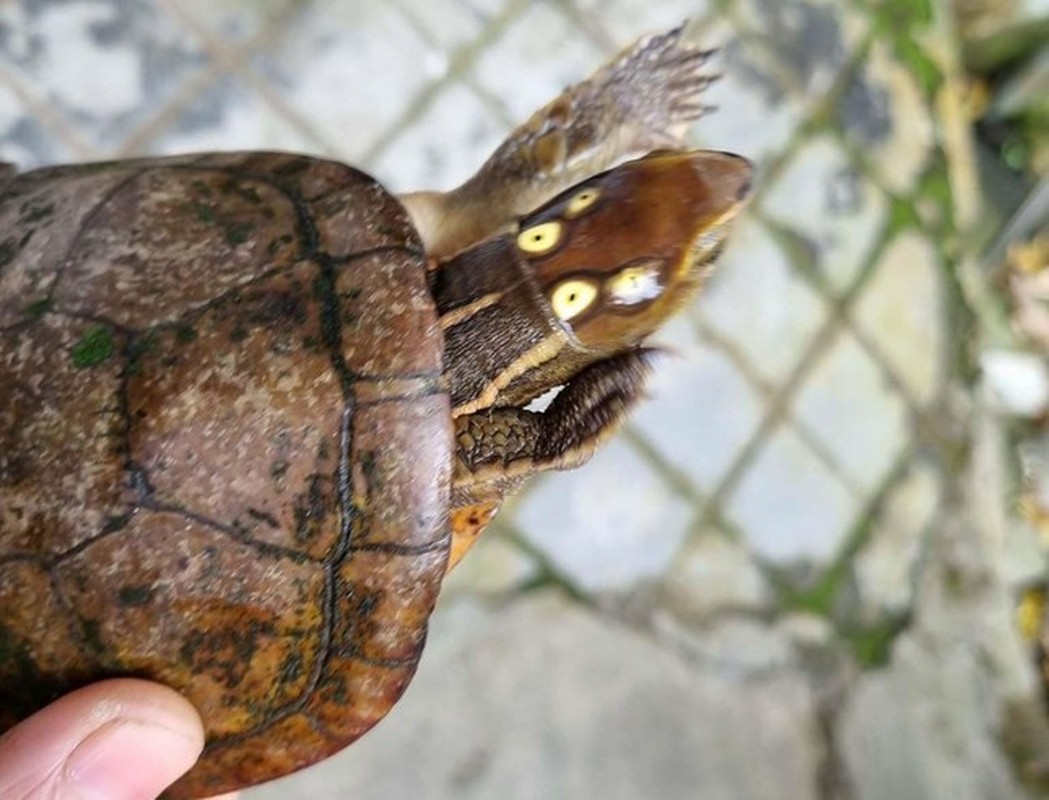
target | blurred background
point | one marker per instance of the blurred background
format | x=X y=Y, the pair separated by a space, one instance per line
x=813 y=566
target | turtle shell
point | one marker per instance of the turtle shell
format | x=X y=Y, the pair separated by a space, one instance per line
x=225 y=448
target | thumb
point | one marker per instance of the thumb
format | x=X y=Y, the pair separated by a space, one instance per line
x=120 y=739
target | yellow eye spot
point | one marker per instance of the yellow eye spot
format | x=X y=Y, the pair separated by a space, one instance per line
x=582 y=201
x=572 y=297
x=635 y=284
x=541 y=238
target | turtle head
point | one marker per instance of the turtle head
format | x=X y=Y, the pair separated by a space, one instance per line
x=586 y=276
x=618 y=254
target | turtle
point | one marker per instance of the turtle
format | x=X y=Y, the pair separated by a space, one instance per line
x=253 y=405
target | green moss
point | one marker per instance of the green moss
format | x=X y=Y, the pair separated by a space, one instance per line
x=935 y=190
x=927 y=72
x=902 y=216
x=918 y=13
x=872 y=646
x=904 y=17
x=902 y=23
x=937 y=187
x=94 y=347
x=820 y=598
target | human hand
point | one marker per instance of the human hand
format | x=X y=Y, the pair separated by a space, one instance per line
x=120 y=739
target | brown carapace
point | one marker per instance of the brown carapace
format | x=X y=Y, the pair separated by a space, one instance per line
x=250 y=403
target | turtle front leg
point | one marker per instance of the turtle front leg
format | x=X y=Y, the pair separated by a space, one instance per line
x=644 y=99
x=498 y=448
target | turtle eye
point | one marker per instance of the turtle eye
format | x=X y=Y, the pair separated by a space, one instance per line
x=572 y=297
x=541 y=238
x=582 y=201
x=635 y=284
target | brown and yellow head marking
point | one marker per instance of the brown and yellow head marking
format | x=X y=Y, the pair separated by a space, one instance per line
x=618 y=254
x=589 y=274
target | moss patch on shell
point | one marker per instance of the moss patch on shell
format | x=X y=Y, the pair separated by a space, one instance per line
x=94 y=347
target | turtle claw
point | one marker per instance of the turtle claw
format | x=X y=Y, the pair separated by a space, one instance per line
x=592 y=407
x=644 y=99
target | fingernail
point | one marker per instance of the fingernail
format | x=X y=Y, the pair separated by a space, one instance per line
x=129 y=760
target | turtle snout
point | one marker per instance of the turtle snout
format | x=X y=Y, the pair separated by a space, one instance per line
x=747 y=184
x=729 y=175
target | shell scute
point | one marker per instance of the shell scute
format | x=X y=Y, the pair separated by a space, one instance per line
x=397 y=505
x=382 y=301
x=40 y=217
x=169 y=239
x=232 y=764
x=215 y=618
x=354 y=695
x=240 y=422
x=225 y=449
x=62 y=434
x=377 y=591
x=38 y=641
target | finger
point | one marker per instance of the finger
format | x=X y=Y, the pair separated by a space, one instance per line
x=121 y=739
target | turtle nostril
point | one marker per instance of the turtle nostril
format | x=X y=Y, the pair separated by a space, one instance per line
x=743 y=192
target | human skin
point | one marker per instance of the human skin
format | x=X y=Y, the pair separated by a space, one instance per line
x=121 y=739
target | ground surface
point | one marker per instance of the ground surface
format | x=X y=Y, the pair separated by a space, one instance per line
x=792 y=576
